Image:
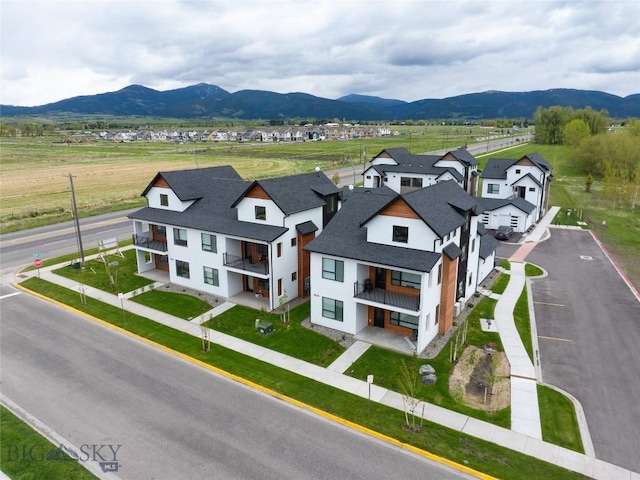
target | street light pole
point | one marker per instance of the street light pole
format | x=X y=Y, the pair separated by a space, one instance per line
x=76 y=219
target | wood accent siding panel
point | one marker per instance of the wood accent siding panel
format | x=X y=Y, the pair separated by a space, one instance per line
x=161 y=183
x=399 y=208
x=304 y=260
x=447 y=294
x=525 y=162
x=258 y=192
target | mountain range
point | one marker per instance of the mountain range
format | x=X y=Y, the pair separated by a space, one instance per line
x=210 y=101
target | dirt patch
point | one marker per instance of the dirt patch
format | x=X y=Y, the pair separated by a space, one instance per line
x=480 y=380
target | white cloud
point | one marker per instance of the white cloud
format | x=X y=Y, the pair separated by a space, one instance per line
x=406 y=49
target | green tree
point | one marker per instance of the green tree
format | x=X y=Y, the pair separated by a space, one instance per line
x=575 y=132
x=549 y=124
x=597 y=121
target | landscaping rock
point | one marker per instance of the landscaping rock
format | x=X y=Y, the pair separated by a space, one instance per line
x=426 y=369
x=429 y=379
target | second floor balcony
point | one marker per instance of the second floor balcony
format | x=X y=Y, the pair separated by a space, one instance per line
x=366 y=291
x=258 y=267
x=150 y=243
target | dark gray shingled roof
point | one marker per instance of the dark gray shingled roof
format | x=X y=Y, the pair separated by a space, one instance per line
x=452 y=251
x=497 y=167
x=490 y=204
x=296 y=193
x=422 y=164
x=306 y=227
x=214 y=190
x=488 y=245
x=440 y=206
x=344 y=237
x=193 y=183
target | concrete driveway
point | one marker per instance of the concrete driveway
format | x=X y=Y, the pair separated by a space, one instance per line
x=588 y=324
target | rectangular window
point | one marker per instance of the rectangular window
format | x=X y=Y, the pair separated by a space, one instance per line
x=294 y=241
x=211 y=276
x=473 y=245
x=294 y=276
x=493 y=188
x=182 y=269
x=532 y=189
x=403 y=320
x=279 y=249
x=331 y=204
x=437 y=319
x=209 y=243
x=147 y=257
x=332 y=269
x=261 y=213
x=180 y=237
x=470 y=278
x=332 y=309
x=159 y=232
x=405 y=182
x=164 y=199
x=400 y=234
x=517 y=171
x=405 y=279
x=416 y=182
x=439 y=274
x=279 y=286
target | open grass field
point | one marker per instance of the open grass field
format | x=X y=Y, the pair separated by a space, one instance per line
x=110 y=176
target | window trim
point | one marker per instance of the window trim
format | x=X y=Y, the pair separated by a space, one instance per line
x=215 y=276
x=261 y=212
x=493 y=188
x=182 y=267
x=213 y=245
x=337 y=313
x=177 y=237
x=336 y=273
x=400 y=238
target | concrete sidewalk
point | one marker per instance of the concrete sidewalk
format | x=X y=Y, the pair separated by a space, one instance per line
x=513 y=440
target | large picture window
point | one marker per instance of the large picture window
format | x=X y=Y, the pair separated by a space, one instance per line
x=209 y=243
x=493 y=188
x=403 y=320
x=182 y=269
x=332 y=309
x=180 y=237
x=405 y=279
x=211 y=276
x=400 y=234
x=333 y=269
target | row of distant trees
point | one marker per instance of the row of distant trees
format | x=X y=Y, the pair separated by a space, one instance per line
x=611 y=156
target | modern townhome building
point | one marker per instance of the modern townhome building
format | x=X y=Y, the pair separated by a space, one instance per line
x=403 y=172
x=515 y=192
x=215 y=232
x=404 y=262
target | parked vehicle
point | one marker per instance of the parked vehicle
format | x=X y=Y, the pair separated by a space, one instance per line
x=504 y=232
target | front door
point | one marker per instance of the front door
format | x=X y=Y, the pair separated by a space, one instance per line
x=381 y=278
x=378 y=317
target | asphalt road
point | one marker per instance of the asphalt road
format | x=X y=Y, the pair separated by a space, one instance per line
x=171 y=418
x=18 y=248
x=588 y=325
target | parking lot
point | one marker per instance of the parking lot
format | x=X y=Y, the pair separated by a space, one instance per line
x=588 y=324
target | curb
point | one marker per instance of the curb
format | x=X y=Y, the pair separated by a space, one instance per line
x=272 y=393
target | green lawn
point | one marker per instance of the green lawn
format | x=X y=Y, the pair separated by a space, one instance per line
x=523 y=322
x=291 y=339
x=500 y=285
x=179 y=305
x=472 y=452
x=385 y=365
x=41 y=460
x=506 y=264
x=531 y=270
x=98 y=275
x=558 y=417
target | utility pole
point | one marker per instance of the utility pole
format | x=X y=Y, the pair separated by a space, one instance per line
x=76 y=219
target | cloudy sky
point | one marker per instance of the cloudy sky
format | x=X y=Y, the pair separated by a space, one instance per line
x=409 y=50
